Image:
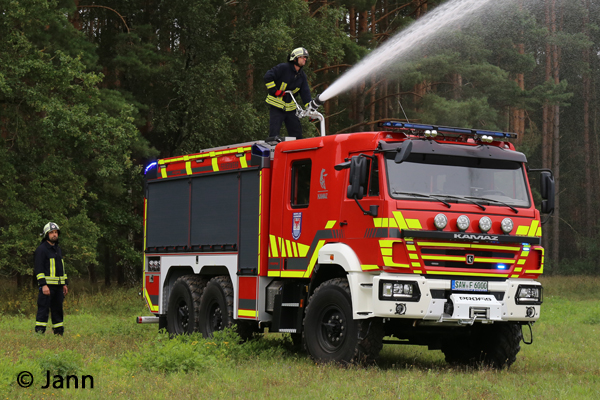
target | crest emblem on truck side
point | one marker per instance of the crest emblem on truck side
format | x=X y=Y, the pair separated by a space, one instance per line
x=322 y=179
x=470 y=259
x=322 y=193
x=296 y=225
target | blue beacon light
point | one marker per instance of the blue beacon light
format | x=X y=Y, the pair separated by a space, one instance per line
x=150 y=166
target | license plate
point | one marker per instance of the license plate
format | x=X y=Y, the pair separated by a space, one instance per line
x=470 y=286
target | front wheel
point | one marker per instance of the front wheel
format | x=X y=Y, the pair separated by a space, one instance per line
x=331 y=333
x=495 y=346
x=501 y=345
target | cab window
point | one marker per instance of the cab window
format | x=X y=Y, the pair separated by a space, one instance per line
x=300 y=183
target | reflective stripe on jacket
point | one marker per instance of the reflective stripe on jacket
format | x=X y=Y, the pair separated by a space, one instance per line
x=49 y=266
x=285 y=77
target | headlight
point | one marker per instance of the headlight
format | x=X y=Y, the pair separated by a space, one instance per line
x=403 y=290
x=463 y=222
x=395 y=290
x=440 y=221
x=507 y=225
x=485 y=224
x=387 y=290
x=529 y=295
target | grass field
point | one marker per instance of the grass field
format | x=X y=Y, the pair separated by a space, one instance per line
x=127 y=360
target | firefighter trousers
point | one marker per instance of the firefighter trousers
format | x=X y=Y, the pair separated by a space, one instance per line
x=50 y=304
x=277 y=117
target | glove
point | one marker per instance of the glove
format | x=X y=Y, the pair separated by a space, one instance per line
x=279 y=93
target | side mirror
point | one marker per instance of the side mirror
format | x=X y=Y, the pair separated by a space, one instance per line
x=547 y=192
x=404 y=152
x=358 y=177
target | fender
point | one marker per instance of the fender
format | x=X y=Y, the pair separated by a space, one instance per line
x=360 y=282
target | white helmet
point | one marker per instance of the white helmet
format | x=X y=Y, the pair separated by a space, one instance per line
x=50 y=226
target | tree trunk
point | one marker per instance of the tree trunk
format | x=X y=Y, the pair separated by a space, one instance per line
x=457 y=83
x=372 y=116
x=92 y=274
x=352 y=24
x=556 y=151
x=547 y=110
x=107 y=266
x=590 y=219
x=250 y=82
x=353 y=92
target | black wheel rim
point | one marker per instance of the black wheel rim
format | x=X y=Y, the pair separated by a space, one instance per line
x=183 y=315
x=215 y=317
x=333 y=329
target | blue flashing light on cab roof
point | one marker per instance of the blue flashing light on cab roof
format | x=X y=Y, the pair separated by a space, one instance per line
x=150 y=166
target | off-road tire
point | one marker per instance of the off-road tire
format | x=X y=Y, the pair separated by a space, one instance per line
x=501 y=345
x=216 y=306
x=495 y=346
x=184 y=304
x=331 y=334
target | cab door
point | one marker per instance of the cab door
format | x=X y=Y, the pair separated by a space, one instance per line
x=295 y=236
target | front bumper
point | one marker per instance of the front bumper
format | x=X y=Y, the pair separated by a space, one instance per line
x=437 y=302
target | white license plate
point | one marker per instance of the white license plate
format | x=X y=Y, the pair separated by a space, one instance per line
x=470 y=286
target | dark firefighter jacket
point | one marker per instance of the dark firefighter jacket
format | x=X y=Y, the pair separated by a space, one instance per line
x=284 y=77
x=49 y=267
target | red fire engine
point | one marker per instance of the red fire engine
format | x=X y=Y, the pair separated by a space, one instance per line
x=421 y=234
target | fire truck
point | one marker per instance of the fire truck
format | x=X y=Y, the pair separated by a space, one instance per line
x=418 y=234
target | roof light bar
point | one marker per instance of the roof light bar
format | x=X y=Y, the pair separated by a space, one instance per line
x=447 y=129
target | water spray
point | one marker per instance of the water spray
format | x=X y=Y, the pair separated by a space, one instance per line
x=404 y=46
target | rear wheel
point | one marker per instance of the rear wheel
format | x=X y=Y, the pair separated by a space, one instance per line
x=216 y=306
x=331 y=334
x=184 y=302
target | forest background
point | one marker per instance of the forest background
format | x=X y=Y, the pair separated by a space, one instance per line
x=91 y=91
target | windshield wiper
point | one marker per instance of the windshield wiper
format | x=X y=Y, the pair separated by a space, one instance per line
x=465 y=198
x=428 y=196
x=495 y=201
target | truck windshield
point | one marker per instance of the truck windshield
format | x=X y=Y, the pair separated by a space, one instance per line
x=485 y=181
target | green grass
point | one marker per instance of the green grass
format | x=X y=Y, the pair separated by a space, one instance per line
x=128 y=360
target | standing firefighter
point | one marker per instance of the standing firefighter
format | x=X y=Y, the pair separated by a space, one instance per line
x=52 y=281
x=279 y=79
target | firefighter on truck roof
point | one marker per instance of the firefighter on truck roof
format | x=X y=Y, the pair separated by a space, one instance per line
x=52 y=281
x=287 y=76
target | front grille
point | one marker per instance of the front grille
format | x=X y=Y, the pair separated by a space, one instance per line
x=466 y=258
